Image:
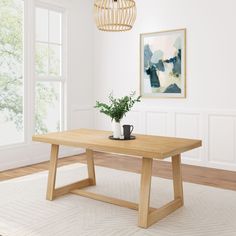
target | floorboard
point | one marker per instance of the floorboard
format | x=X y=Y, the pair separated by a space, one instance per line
x=193 y=174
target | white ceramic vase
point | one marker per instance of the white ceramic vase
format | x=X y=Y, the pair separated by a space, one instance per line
x=116 y=128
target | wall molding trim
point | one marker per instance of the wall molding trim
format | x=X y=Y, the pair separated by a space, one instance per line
x=215 y=127
x=28 y=153
x=42 y=157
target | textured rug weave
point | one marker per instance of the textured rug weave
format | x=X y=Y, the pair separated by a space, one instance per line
x=25 y=212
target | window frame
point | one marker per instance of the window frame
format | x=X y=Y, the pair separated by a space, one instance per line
x=62 y=78
x=29 y=75
x=25 y=69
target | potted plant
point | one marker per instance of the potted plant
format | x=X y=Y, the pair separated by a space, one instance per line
x=117 y=109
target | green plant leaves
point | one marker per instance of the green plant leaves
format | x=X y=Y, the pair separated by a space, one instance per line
x=117 y=107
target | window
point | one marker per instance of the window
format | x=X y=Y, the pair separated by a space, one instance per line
x=50 y=81
x=18 y=73
x=11 y=72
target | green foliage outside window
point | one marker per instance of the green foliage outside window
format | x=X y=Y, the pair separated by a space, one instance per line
x=11 y=69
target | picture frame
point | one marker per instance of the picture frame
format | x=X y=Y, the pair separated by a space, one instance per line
x=163 y=64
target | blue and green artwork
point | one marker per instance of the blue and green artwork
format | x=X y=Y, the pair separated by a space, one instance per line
x=163 y=64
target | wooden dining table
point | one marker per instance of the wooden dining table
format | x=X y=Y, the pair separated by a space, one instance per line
x=147 y=147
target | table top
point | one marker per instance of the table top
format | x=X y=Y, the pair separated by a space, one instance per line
x=151 y=146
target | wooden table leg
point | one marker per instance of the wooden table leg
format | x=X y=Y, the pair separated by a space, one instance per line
x=53 y=192
x=90 y=165
x=52 y=172
x=144 y=201
x=177 y=178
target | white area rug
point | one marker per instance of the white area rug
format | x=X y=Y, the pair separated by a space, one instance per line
x=25 y=212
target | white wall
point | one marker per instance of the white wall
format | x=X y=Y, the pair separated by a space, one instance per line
x=80 y=63
x=101 y=62
x=79 y=84
x=209 y=111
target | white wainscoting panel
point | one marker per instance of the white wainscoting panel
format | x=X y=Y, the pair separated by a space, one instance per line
x=30 y=152
x=156 y=123
x=216 y=129
x=134 y=118
x=188 y=126
x=222 y=138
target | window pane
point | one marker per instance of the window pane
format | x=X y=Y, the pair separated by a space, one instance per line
x=41 y=59
x=11 y=72
x=54 y=27
x=55 y=60
x=41 y=24
x=47 y=110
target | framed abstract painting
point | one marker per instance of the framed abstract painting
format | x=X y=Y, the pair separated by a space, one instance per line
x=163 y=64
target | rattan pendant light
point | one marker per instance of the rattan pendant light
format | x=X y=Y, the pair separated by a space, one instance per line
x=114 y=15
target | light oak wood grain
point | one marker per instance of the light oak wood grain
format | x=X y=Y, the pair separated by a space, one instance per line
x=52 y=172
x=68 y=188
x=177 y=177
x=144 y=201
x=90 y=165
x=144 y=146
x=111 y=200
x=147 y=146
x=164 y=211
x=192 y=174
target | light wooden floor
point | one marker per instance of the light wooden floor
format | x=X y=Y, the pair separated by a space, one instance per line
x=193 y=174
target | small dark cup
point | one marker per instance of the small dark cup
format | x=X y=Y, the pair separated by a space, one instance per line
x=127 y=130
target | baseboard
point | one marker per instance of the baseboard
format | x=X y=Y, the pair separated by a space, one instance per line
x=64 y=152
x=199 y=162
